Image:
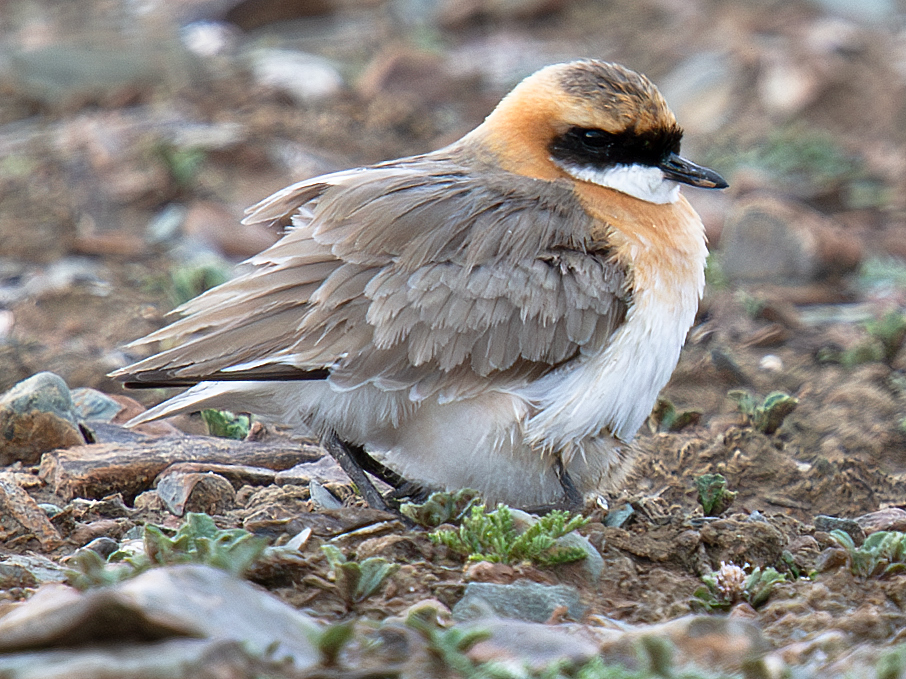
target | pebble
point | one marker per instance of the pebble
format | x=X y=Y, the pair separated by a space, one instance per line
x=618 y=517
x=91 y=404
x=304 y=77
x=849 y=526
x=205 y=492
x=104 y=546
x=187 y=600
x=771 y=363
x=37 y=416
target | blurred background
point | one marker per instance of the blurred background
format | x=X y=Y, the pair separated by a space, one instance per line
x=133 y=134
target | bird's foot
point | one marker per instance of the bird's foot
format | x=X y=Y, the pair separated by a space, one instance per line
x=355 y=461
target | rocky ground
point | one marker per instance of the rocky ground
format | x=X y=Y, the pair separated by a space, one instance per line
x=131 y=139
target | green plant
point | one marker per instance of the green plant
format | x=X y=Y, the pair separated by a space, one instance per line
x=885 y=338
x=665 y=417
x=892 y=663
x=730 y=585
x=441 y=507
x=882 y=553
x=331 y=640
x=356 y=581
x=492 y=536
x=713 y=495
x=770 y=414
x=715 y=277
x=753 y=305
x=225 y=424
x=198 y=540
x=805 y=156
x=187 y=281
x=448 y=646
x=182 y=163
x=890 y=331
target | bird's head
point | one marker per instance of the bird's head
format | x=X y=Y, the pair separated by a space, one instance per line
x=597 y=122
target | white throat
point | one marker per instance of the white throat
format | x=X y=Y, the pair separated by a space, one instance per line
x=644 y=182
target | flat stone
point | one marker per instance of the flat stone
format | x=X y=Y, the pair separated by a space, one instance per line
x=179 y=601
x=171 y=658
x=522 y=600
x=892 y=518
x=42 y=569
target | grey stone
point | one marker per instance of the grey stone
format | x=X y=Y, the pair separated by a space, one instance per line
x=103 y=546
x=170 y=659
x=322 y=497
x=59 y=73
x=50 y=509
x=91 y=404
x=37 y=416
x=522 y=600
x=767 y=241
x=848 y=526
x=618 y=517
x=43 y=569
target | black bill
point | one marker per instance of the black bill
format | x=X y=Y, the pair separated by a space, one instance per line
x=679 y=169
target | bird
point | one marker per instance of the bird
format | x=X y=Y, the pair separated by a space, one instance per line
x=499 y=314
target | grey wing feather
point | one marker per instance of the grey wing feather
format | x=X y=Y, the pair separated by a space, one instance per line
x=408 y=275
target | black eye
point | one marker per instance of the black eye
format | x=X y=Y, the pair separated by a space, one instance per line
x=597 y=139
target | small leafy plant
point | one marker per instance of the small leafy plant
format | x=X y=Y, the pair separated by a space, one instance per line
x=665 y=417
x=492 y=536
x=441 y=507
x=730 y=585
x=190 y=280
x=713 y=495
x=356 y=581
x=885 y=337
x=882 y=553
x=447 y=646
x=331 y=641
x=890 y=331
x=198 y=540
x=767 y=416
x=225 y=424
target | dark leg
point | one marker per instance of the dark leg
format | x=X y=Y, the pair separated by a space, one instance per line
x=572 y=498
x=341 y=452
x=373 y=467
